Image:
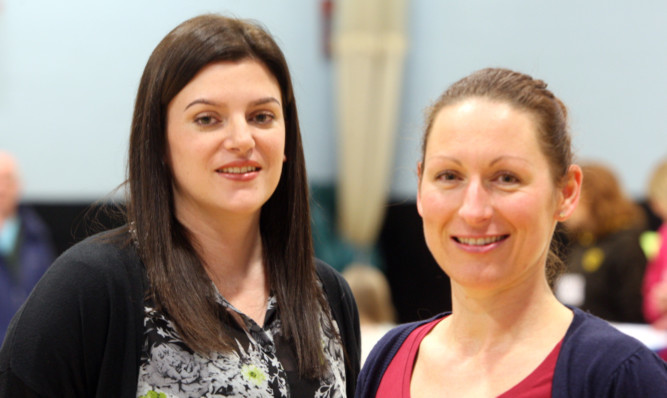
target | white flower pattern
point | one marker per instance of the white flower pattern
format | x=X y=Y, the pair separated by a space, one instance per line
x=170 y=367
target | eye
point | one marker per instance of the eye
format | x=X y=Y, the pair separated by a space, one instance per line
x=262 y=118
x=447 y=176
x=507 y=178
x=206 y=120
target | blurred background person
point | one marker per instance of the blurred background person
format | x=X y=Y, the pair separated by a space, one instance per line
x=377 y=314
x=605 y=261
x=655 y=280
x=26 y=250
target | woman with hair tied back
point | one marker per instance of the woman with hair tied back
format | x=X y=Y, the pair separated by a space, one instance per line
x=495 y=179
x=211 y=289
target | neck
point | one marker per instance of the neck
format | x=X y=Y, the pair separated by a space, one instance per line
x=6 y=215
x=522 y=314
x=231 y=251
x=230 y=247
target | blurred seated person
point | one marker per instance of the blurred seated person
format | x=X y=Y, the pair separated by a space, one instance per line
x=26 y=250
x=377 y=314
x=605 y=261
x=655 y=279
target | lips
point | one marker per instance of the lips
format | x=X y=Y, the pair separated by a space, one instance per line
x=239 y=167
x=480 y=241
x=237 y=170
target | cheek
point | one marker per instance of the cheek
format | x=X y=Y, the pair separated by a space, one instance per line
x=435 y=209
x=530 y=213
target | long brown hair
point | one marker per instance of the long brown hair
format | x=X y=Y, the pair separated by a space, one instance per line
x=524 y=93
x=179 y=284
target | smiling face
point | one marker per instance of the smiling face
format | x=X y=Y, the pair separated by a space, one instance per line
x=487 y=197
x=226 y=140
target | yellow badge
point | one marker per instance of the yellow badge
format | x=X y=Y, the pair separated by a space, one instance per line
x=592 y=259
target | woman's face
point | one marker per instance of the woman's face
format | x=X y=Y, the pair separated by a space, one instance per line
x=226 y=140
x=487 y=197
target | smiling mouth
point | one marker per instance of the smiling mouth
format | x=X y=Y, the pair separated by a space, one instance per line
x=480 y=241
x=238 y=170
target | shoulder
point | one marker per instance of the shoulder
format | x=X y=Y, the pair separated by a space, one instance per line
x=596 y=358
x=90 y=281
x=327 y=273
x=335 y=286
x=109 y=254
x=590 y=333
x=105 y=266
x=87 y=309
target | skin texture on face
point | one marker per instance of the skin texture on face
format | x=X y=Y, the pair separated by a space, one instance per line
x=226 y=141
x=487 y=197
x=9 y=186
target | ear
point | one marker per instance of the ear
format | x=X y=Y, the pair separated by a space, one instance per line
x=569 y=193
x=419 y=184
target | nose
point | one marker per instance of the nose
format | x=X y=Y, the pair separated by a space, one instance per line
x=476 y=207
x=239 y=137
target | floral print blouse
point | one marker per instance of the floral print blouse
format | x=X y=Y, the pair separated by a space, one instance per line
x=264 y=364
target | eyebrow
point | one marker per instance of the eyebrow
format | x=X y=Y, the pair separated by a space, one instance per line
x=265 y=100
x=493 y=162
x=260 y=101
x=505 y=157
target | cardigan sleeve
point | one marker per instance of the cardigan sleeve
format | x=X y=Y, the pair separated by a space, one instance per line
x=597 y=360
x=643 y=374
x=76 y=335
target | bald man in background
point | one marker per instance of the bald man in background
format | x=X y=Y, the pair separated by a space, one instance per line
x=26 y=249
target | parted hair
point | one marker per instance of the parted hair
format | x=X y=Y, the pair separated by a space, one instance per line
x=527 y=94
x=179 y=284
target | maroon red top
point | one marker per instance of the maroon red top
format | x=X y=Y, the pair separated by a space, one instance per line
x=396 y=379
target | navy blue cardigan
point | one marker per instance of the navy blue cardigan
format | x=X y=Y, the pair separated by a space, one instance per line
x=595 y=360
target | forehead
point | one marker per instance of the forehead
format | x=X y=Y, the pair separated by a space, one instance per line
x=481 y=119
x=479 y=130
x=249 y=74
x=7 y=165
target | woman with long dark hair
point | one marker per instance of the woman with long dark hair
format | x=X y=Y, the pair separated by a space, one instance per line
x=211 y=289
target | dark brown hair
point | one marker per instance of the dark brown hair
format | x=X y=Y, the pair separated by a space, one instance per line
x=179 y=284
x=527 y=94
x=607 y=206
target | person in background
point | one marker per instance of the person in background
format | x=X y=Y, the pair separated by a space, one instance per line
x=26 y=248
x=212 y=288
x=655 y=279
x=605 y=261
x=495 y=178
x=371 y=291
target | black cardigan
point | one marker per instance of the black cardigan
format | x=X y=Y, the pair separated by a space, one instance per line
x=97 y=288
